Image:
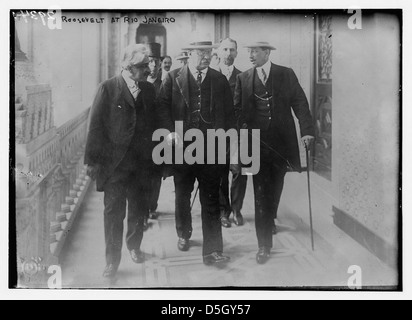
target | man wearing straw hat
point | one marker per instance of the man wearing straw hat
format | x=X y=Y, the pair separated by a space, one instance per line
x=182 y=57
x=266 y=95
x=200 y=97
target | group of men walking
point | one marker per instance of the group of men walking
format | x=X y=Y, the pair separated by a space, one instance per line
x=127 y=110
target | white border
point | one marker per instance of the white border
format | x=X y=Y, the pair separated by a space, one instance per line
x=6 y=293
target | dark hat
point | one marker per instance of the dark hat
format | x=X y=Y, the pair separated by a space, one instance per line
x=154 y=50
x=200 y=45
x=182 y=56
x=260 y=44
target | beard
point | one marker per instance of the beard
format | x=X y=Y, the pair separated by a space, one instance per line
x=228 y=61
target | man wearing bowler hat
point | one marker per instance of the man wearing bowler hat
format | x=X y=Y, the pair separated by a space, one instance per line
x=200 y=97
x=266 y=95
x=122 y=122
x=156 y=174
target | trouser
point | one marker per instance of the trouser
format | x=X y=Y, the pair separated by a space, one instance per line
x=224 y=201
x=268 y=186
x=209 y=177
x=122 y=187
x=238 y=191
x=155 y=185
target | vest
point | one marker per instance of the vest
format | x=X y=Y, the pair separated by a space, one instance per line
x=133 y=154
x=198 y=115
x=263 y=101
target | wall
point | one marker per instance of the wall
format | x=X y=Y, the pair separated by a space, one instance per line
x=366 y=122
x=291 y=35
x=68 y=59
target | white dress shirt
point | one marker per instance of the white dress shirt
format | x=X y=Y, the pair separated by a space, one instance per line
x=133 y=86
x=195 y=72
x=226 y=70
x=266 y=68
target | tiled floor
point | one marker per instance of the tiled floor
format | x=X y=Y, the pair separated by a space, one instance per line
x=293 y=264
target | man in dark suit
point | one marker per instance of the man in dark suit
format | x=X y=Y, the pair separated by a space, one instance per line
x=120 y=135
x=227 y=53
x=266 y=95
x=156 y=174
x=200 y=97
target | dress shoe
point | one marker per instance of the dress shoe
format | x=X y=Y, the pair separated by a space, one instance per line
x=152 y=215
x=110 y=271
x=137 y=256
x=225 y=222
x=183 y=244
x=215 y=258
x=263 y=255
x=238 y=218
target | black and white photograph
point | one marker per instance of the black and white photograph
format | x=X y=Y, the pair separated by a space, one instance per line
x=205 y=149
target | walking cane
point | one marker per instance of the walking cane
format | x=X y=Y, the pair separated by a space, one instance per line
x=310 y=202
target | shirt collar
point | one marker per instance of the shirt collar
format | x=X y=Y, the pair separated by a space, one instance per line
x=130 y=83
x=194 y=71
x=266 y=67
x=225 y=67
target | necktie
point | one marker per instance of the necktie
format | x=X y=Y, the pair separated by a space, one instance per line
x=134 y=89
x=264 y=76
x=199 y=78
x=228 y=74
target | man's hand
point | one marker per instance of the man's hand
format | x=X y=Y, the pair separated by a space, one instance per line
x=174 y=139
x=307 y=141
x=93 y=171
x=235 y=168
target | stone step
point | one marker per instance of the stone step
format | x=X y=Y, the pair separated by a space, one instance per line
x=61 y=216
x=59 y=235
x=53 y=247
x=65 y=208
x=76 y=187
x=73 y=193
x=53 y=238
x=69 y=201
x=55 y=227
x=64 y=225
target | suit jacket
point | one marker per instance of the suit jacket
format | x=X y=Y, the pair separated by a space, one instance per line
x=174 y=99
x=113 y=123
x=232 y=79
x=157 y=84
x=287 y=95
